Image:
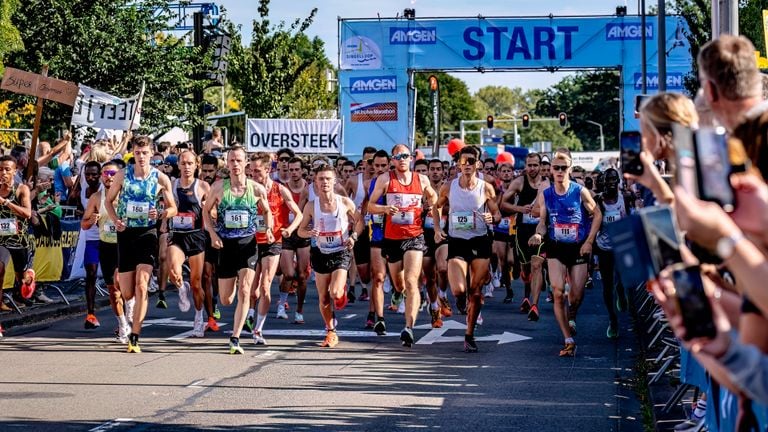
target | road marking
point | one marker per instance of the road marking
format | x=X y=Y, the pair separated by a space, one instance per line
x=196 y=384
x=173 y=322
x=436 y=335
x=350 y=316
x=320 y=333
x=268 y=353
x=110 y=425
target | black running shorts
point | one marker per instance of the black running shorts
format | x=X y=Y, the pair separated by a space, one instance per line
x=328 y=263
x=191 y=243
x=468 y=250
x=234 y=256
x=394 y=250
x=136 y=246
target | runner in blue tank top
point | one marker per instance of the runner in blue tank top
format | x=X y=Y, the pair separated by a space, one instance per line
x=565 y=212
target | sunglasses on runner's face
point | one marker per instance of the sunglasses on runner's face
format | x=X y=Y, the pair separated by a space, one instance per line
x=468 y=161
x=560 y=168
x=156 y=162
x=284 y=159
x=401 y=156
x=109 y=173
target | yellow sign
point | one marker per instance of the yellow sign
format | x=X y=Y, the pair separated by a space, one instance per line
x=765 y=30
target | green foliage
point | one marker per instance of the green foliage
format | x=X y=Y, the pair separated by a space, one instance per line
x=108 y=45
x=456 y=104
x=282 y=72
x=499 y=100
x=10 y=38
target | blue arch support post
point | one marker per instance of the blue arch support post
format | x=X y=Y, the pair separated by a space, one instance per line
x=376 y=56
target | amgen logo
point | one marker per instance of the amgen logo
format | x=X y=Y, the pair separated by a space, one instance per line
x=415 y=36
x=674 y=81
x=627 y=31
x=375 y=84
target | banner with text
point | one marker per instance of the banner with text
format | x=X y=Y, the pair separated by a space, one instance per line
x=301 y=136
x=32 y=84
x=99 y=110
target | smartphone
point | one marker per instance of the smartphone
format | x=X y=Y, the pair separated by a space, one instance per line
x=663 y=237
x=686 y=174
x=630 y=153
x=714 y=167
x=693 y=304
x=639 y=99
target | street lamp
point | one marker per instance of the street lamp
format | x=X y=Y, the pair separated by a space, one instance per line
x=602 y=138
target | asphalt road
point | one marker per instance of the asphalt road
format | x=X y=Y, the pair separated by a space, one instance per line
x=60 y=377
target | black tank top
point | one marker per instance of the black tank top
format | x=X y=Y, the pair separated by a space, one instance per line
x=189 y=216
x=525 y=197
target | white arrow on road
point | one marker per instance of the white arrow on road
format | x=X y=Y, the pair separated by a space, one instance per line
x=172 y=322
x=436 y=335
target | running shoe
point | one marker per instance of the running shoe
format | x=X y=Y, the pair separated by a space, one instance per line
x=286 y=306
x=258 y=339
x=387 y=287
x=123 y=333
x=133 y=346
x=613 y=331
x=212 y=325
x=470 y=346
x=488 y=290
x=161 y=304
x=510 y=296
x=28 y=284
x=424 y=301
x=153 y=286
x=292 y=288
x=251 y=323
x=184 y=302
x=479 y=319
x=461 y=304
x=298 y=318
x=396 y=298
x=549 y=297
x=198 y=330
x=234 y=346
x=340 y=303
x=445 y=307
x=91 y=322
x=351 y=297
x=363 y=295
x=496 y=281
x=533 y=314
x=437 y=321
x=572 y=325
x=281 y=314
x=1 y=331
x=693 y=423
x=369 y=321
x=569 y=350
x=380 y=328
x=40 y=297
x=331 y=339
x=406 y=337
x=216 y=312
x=401 y=308
x=525 y=306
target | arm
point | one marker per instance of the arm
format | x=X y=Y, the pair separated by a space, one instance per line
x=170 y=203
x=493 y=209
x=594 y=209
x=538 y=202
x=112 y=193
x=382 y=183
x=24 y=208
x=541 y=228
x=506 y=203
x=304 y=231
x=123 y=143
x=430 y=195
x=210 y=203
x=91 y=215
x=437 y=212
x=263 y=205
x=356 y=222
x=304 y=197
x=294 y=208
x=340 y=190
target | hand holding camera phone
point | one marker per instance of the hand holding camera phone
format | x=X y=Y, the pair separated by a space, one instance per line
x=631 y=147
x=692 y=302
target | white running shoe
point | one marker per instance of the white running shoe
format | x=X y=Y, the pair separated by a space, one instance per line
x=480 y=318
x=488 y=290
x=280 y=313
x=198 y=330
x=184 y=303
x=401 y=308
x=123 y=333
x=496 y=279
x=387 y=285
x=153 y=286
x=298 y=318
x=258 y=339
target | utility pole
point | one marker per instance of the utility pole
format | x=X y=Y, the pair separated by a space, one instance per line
x=662 y=38
x=643 y=48
x=197 y=93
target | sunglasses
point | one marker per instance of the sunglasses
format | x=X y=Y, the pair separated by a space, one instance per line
x=560 y=167
x=284 y=159
x=109 y=173
x=156 y=163
x=468 y=161
x=401 y=156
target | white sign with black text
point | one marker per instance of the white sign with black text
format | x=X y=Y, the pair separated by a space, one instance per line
x=301 y=136
x=101 y=110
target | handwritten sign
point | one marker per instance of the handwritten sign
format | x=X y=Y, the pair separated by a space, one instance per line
x=32 y=84
x=101 y=110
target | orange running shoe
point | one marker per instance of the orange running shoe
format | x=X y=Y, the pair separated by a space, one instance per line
x=212 y=325
x=445 y=307
x=91 y=322
x=331 y=339
x=437 y=321
x=569 y=350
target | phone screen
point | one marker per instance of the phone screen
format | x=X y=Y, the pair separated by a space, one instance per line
x=662 y=236
x=685 y=159
x=714 y=167
x=630 y=153
x=693 y=303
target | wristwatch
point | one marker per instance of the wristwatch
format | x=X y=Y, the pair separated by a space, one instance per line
x=726 y=245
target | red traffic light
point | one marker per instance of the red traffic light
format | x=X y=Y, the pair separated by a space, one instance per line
x=526 y=119
x=563 y=119
x=489 y=122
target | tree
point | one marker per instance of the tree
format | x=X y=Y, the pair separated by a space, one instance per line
x=456 y=104
x=10 y=38
x=499 y=100
x=552 y=132
x=282 y=72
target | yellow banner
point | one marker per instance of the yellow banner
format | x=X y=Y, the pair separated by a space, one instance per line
x=765 y=30
x=48 y=262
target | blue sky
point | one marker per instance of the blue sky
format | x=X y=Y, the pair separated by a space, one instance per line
x=325 y=26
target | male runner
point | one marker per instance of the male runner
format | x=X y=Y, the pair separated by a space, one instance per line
x=473 y=208
x=15 y=211
x=502 y=239
x=284 y=156
x=137 y=188
x=91 y=172
x=187 y=239
x=435 y=264
x=209 y=165
x=294 y=257
x=355 y=187
x=565 y=212
x=332 y=217
x=378 y=166
x=280 y=203
x=403 y=231
x=519 y=199
x=237 y=201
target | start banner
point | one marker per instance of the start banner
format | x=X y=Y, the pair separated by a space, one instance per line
x=301 y=136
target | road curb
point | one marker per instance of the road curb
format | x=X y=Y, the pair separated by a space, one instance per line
x=11 y=321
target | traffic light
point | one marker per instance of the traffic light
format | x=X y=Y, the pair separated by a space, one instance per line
x=489 y=122
x=563 y=119
x=526 y=118
x=433 y=83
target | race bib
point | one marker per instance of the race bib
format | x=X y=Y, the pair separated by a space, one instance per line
x=235 y=219
x=429 y=223
x=184 y=221
x=378 y=219
x=330 y=240
x=8 y=227
x=261 y=224
x=404 y=217
x=503 y=223
x=109 y=229
x=528 y=219
x=612 y=216
x=463 y=221
x=566 y=232
x=137 y=210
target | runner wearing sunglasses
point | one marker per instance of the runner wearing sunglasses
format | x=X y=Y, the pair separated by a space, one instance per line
x=403 y=229
x=282 y=175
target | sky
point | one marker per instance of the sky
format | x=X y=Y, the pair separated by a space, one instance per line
x=325 y=26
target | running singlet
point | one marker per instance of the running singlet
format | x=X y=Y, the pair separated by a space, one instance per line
x=360 y=192
x=406 y=223
x=13 y=229
x=525 y=197
x=376 y=221
x=107 y=230
x=465 y=219
x=567 y=218
x=333 y=227
x=190 y=210
x=611 y=213
x=236 y=216
x=296 y=199
x=279 y=216
x=137 y=198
